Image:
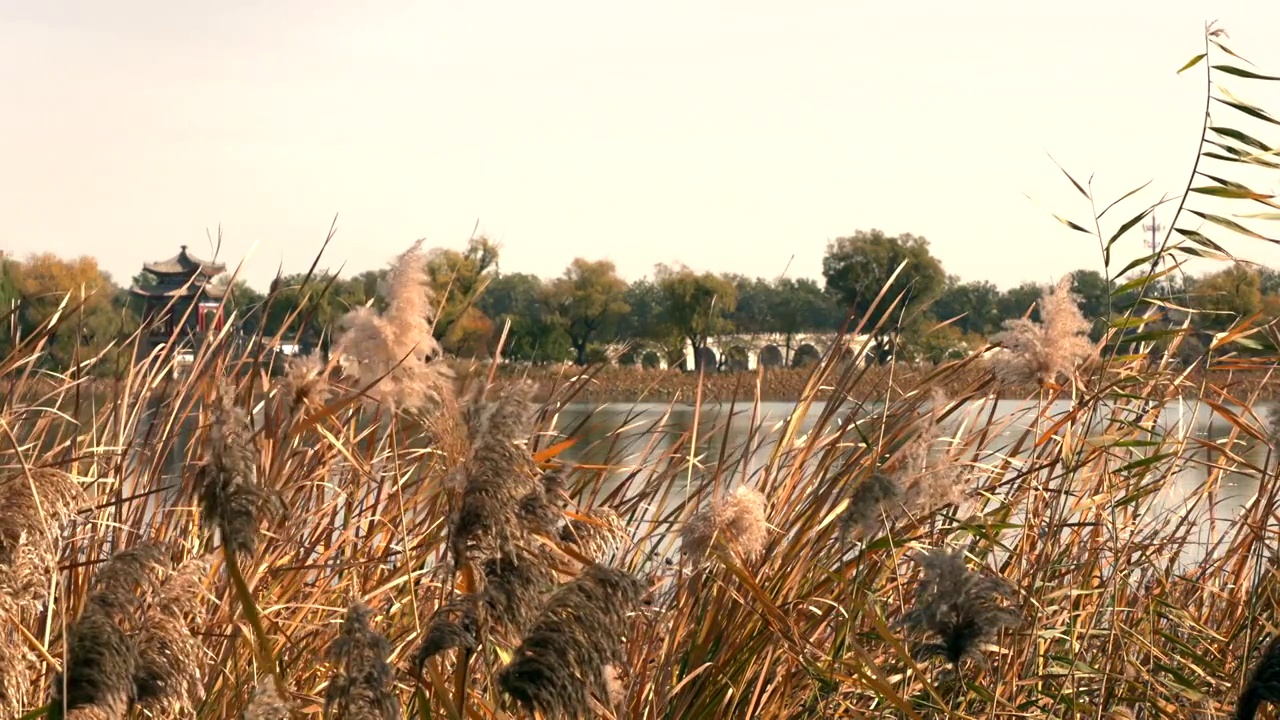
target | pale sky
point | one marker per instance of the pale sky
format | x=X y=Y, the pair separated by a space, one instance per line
x=728 y=136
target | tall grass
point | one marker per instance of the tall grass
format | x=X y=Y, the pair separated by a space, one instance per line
x=379 y=543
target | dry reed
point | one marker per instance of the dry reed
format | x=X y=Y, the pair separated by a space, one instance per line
x=569 y=655
x=36 y=510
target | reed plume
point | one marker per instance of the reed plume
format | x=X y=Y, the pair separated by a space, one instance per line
x=912 y=483
x=961 y=609
x=306 y=383
x=230 y=494
x=361 y=687
x=101 y=677
x=598 y=534
x=266 y=703
x=171 y=660
x=497 y=475
x=397 y=349
x=734 y=523
x=455 y=625
x=1264 y=683
x=1052 y=348
x=542 y=509
x=502 y=505
x=36 y=511
x=574 y=646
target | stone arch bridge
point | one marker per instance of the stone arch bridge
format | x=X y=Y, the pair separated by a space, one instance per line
x=748 y=351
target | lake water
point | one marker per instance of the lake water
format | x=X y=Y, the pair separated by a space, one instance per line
x=617 y=437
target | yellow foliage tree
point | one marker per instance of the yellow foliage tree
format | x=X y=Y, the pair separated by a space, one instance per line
x=90 y=314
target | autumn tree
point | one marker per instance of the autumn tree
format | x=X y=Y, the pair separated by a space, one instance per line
x=89 y=308
x=695 y=305
x=856 y=268
x=587 y=300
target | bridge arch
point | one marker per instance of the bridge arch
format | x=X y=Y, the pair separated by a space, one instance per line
x=646 y=355
x=749 y=351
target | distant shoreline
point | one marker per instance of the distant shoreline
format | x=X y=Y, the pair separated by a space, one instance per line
x=632 y=385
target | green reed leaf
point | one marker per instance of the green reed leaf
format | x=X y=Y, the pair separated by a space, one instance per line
x=1201 y=240
x=1250 y=110
x=1074 y=226
x=1240 y=137
x=1230 y=52
x=1127 y=226
x=1241 y=72
x=1191 y=63
x=1232 y=225
x=1228 y=192
x=1123 y=197
x=1073 y=180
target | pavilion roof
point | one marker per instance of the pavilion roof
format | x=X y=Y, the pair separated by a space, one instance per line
x=207 y=292
x=184 y=263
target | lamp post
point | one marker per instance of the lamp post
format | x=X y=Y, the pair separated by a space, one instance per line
x=1154 y=227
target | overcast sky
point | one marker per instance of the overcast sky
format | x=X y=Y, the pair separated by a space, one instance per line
x=728 y=136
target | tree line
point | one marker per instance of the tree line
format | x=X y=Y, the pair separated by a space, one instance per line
x=894 y=282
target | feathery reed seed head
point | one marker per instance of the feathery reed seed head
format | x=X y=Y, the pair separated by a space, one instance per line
x=542 y=509
x=266 y=703
x=565 y=658
x=35 y=513
x=736 y=523
x=599 y=535
x=397 y=349
x=458 y=624
x=230 y=496
x=171 y=660
x=306 y=382
x=497 y=475
x=960 y=608
x=1052 y=348
x=361 y=687
x=912 y=483
x=103 y=655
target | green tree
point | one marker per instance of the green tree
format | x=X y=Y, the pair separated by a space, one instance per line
x=1268 y=281
x=534 y=336
x=247 y=304
x=1016 y=301
x=695 y=305
x=647 y=319
x=1228 y=295
x=305 y=310
x=801 y=305
x=587 y=300
x=857 y=267
x=757 y=304
x=458 y=278
x=1094 y=293
x=9 y=302
x=370 y=283
x=975 y=305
